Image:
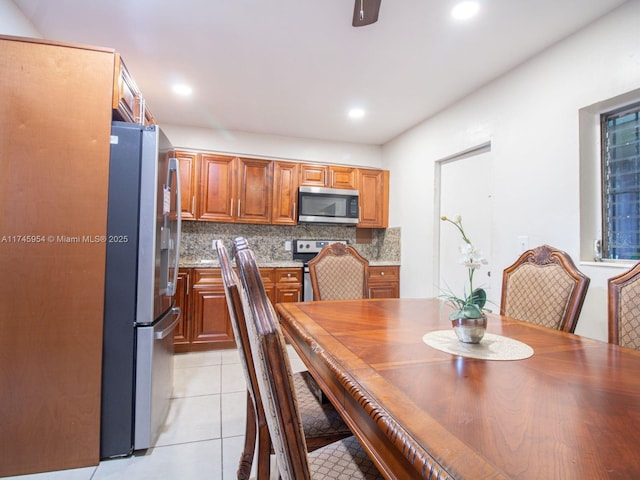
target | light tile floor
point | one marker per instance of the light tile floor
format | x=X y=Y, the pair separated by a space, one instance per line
x=204 y=432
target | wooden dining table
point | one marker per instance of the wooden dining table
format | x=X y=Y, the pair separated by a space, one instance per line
x=569 y=411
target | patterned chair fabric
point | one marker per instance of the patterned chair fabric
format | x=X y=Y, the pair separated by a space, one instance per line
x=321 y=422
x=339 y=272
x=624 y=308
x=544 y=287
x=343 y=459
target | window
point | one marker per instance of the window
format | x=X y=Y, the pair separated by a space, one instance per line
x=620 y=142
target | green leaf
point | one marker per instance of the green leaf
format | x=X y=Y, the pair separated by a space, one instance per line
x=471 y=311
x=478 y=297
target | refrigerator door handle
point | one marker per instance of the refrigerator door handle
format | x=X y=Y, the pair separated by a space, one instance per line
x=174 y=169
x=167 y=331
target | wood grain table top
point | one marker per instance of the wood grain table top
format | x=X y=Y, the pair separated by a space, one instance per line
x=570 y=411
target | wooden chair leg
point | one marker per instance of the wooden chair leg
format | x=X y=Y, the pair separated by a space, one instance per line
x=246 y=458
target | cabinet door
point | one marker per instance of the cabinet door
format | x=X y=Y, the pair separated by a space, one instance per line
x=314 y=175
x=210 y=319
x=374 y=198
x=255 y=187
x=384 y=290
x=285 y=193
x=181 y=335
x=343 y=177
x=217 y=185
x=188 y=182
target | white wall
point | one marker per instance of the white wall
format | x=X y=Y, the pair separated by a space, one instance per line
x=531 y=117
x=272 y=146
x=13 y=22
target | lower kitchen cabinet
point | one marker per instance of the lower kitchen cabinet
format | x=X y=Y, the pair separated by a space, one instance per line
x=205 y=323
x=384 y=282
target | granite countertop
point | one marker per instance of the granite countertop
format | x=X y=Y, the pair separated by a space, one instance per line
x=204 y=263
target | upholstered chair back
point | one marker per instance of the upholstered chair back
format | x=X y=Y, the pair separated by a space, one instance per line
x=544 y=287
x=624 y=308
x=339 y=272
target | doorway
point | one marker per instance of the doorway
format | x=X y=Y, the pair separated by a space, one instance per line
x=464 y=187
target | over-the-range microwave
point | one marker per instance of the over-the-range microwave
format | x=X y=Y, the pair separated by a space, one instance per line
x=334 y=206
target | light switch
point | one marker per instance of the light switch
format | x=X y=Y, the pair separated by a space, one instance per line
x=523 y=243
x=287 y=245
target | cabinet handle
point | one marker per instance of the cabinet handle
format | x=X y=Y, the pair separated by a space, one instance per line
x=231 y=209
x=294 y=210
x=288 y=275
x=238 y=208
x=382 y=273
x=193 y=204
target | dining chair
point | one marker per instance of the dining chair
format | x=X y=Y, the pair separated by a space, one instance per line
x=344 y=458
x=339 y=272
x=322 y=424
x=624 y=308
x=544 y=287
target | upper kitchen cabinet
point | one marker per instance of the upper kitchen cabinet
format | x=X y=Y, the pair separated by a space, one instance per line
x=233 y=189
x=343 y=177
x=254 y=190
x=332 y=176
x=373 y=186
x=285 y=193
x=217 y=188
x=128 y=102
x=313 y=175
x=187 y=164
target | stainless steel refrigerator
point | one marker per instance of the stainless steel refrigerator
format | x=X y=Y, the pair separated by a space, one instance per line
x=143 y=243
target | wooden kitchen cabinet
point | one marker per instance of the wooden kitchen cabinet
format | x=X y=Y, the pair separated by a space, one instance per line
x=343 y=177
x=233 y=189
x=188 y=167
x=331 y=176
x=128 y=101
x=216 y=188
x=314 y=175
x=181 y=334
x=56 y=126
x=255 y=188
x=373 y=186
x=285 y=193
x=384 y=282
x=206 y=323
x=210 y=321
x=288 y=285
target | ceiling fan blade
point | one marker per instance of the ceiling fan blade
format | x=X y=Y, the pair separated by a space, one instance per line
x=365 y=12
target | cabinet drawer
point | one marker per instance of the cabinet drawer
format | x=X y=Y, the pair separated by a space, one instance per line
x=207 y=276
x=288 y=275
x=384 y=274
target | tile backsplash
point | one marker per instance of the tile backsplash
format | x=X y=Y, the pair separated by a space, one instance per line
x=268 y=241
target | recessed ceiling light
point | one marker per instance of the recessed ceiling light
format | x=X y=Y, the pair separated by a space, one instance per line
x=465 y=10
x=182 y=89
x=356 y=113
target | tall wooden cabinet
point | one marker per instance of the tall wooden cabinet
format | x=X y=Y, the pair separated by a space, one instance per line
x=54 y=157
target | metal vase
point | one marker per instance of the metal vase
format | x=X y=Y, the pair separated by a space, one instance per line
x=470 y=330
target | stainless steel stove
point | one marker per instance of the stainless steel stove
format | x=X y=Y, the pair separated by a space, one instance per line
x=305 y=250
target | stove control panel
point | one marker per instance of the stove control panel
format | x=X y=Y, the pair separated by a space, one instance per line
x=313 y=246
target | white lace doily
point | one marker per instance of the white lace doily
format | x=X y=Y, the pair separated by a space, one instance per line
x=491 y=347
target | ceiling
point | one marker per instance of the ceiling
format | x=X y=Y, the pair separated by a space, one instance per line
x=295 y=67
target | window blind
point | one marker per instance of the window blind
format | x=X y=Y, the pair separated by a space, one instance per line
x=621 y=183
